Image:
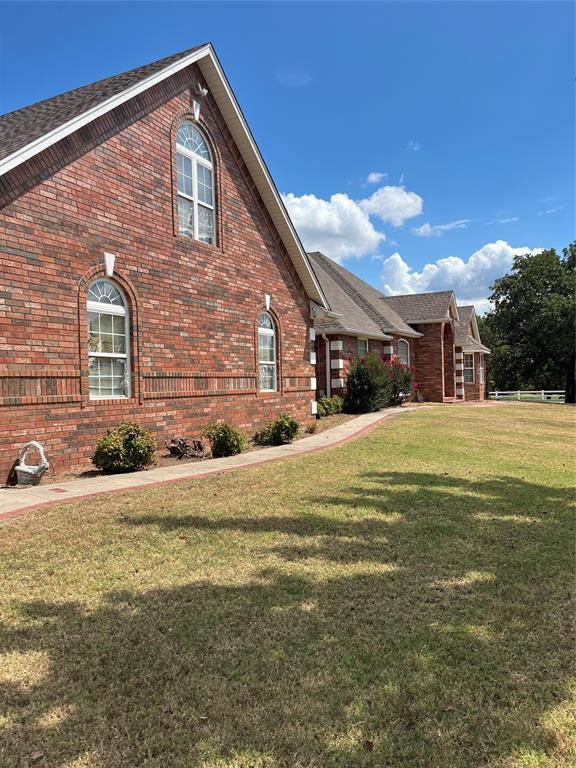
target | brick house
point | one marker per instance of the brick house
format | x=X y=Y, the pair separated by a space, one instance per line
x=425 y=330
x=150 y=270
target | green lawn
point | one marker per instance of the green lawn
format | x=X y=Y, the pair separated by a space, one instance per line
x=400 y=601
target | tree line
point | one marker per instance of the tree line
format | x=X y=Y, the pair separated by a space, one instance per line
x=532 y=327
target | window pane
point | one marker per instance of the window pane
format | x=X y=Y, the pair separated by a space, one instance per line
x=204 y=176
x=186 y=217
x=362 y=347
x=192 y=139
x=106 y=377
x=403 y=353
x=104 y=292
x=265 y=321
x=266 y=348
x=205 y=224
x=267 y=376
x=184 y=173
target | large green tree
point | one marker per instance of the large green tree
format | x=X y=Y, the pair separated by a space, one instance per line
x=532 y=327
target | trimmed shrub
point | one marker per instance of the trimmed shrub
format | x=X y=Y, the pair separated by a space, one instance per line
x=374 y=384
x=327 y=406
x=225 y=439
x=367 y=385
x=124 y=449
x=282 y=430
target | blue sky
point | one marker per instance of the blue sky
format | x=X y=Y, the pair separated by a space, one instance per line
x=460 y=113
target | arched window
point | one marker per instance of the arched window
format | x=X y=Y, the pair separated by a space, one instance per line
x=195 y=174
x=267 y=375
x=108 y=341
x=403 y=352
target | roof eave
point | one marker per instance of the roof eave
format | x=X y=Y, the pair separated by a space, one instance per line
x=355 y=332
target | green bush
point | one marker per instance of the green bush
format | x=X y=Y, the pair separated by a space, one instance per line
x=124 y=449
x=367 y=388
x=225 y=439
x=327 y=406
x=283 y=430
x=401 y=382
x=374 y=384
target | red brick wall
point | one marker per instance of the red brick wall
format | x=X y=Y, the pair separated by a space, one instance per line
x=430 y=361
x=348 y=352
x=476 y=391
x=193 y=307
x=449 y=361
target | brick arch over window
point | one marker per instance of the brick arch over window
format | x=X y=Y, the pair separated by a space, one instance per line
x=191 y=174
x=131 y=297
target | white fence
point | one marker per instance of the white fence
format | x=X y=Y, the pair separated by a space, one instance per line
x=557 y=395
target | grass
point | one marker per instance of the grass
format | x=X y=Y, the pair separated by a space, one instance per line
x=402 y=601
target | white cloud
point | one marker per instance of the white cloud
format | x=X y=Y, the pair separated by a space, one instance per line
x=470 y=280
x=375 y=177
x=507 y=221
x=338 y=227
x=548 y=211
x=413 y=146
x=393 y=204
x=342 y=228
x=437 y=230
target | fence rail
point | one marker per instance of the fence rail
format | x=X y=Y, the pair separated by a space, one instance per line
x=557 y=395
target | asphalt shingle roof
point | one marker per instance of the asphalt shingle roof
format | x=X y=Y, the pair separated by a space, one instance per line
x=462 y=332
x=353 y=318
x=462 y=329
x=20 y=128
x=354 y=298
x=419 y=307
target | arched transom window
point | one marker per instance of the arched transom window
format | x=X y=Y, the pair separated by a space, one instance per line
x=267 y=375
x=108 y=341
x=403 y=352
x=195 y=175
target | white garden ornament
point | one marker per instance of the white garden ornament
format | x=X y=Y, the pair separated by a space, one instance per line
x=31 y=475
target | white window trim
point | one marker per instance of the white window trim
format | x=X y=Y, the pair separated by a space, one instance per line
x=361 y=338
x=469 y=368
x=196 y=161
x=268 y=332
x=481 y=369
x=403 y=341
x=112 y=309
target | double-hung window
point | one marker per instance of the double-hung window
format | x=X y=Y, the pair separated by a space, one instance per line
x=267 y=374
x=481 y=369
x=108 y=342
x=468 y=369
x=195 y=175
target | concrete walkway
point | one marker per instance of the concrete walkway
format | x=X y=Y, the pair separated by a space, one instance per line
x=13 y=501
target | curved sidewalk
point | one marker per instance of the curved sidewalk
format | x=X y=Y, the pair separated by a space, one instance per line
x=14 y=501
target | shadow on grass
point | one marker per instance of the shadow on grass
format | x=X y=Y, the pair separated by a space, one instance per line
x=446 y=645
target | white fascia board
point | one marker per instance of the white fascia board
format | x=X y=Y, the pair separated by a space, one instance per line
x=43 y=142
x=208 y=62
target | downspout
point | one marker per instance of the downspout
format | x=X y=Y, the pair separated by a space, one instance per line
x=328 y=369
